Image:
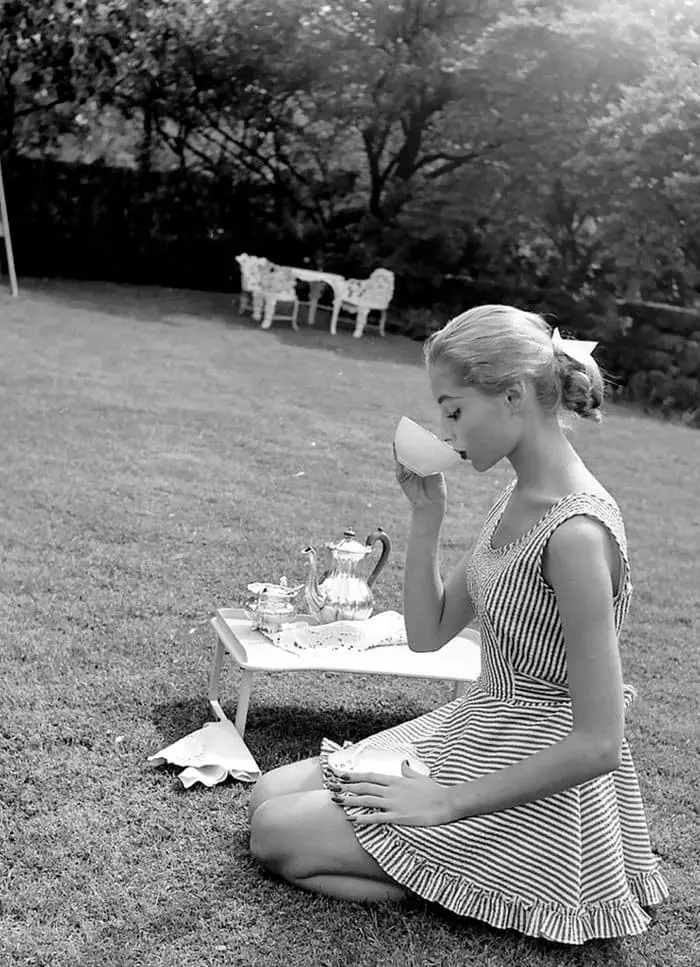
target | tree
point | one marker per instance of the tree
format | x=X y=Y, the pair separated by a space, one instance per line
x=548 y=79
x=556 y=134
x=647 y=162
x=37 y=51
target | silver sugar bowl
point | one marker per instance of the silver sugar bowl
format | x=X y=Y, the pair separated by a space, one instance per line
x=271 y=605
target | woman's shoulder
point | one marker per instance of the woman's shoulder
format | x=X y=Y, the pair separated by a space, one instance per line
x=583 y=512
x=583 y=486
x=596 y=494
x=567 y=498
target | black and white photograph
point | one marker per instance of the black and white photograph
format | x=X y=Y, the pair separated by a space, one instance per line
x=349 y=527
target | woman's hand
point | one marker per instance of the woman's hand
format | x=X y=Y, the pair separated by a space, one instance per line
x=411 y=799
x=423 y=493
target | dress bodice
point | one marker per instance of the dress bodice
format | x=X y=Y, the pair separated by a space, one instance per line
x=523 y=649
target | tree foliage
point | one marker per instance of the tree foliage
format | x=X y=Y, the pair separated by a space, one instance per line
x=559 y=139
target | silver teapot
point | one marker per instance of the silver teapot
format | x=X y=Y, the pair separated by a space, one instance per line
x=270 y=605
x=344 y=594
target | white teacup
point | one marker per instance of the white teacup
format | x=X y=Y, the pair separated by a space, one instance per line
x=421 y=451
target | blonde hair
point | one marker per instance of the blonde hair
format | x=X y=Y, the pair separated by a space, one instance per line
x=494 y=347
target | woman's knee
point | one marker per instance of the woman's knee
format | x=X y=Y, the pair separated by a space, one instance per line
x=261 y=792
x=296 y=777
x=270 y=839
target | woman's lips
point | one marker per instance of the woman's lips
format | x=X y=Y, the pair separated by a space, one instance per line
x=462 y=453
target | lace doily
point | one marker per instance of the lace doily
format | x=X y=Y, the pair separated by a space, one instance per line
x=386 y=628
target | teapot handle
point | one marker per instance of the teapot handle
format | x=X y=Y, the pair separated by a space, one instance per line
x=378 y=535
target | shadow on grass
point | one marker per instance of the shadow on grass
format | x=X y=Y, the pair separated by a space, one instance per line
x=151 y=304
x=179 y=307
x=519 y=948
x=277 y=734
x=392 y=348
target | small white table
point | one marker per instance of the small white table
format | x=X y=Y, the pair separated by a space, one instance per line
x=458 y=661
x=317 y=280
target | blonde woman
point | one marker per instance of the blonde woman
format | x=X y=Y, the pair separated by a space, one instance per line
x=531 y=816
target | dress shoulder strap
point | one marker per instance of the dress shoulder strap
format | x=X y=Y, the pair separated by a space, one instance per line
x=498 y=506
x=601 y=508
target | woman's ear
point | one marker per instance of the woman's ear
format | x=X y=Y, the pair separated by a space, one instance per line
x=515 y=397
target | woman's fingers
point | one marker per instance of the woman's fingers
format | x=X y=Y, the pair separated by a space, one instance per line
x=363 y=788
x=366 y=802
x=352 y=780
x=402 y=473
x=374 y=818
x=400 y=468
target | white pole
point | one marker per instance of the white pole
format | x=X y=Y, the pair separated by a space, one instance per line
x=5 y=232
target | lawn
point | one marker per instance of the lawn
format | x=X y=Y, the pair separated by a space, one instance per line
x=158 y=454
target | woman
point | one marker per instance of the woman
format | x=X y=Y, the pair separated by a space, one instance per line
x=531 y=817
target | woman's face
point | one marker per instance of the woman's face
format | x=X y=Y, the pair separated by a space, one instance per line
x=486 y=428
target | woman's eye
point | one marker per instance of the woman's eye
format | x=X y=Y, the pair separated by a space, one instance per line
x=454 y=415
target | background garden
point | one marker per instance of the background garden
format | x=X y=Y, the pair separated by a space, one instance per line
x=542 y=153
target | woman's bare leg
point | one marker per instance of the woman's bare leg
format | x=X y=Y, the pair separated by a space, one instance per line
x=296 y=777
x=305 y=838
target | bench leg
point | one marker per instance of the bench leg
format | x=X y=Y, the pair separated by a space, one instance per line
x=243 y=701
x=269 y=312
x=361 y=322
x=258 y=305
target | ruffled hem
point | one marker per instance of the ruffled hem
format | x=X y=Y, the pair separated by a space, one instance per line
x=550 y=921
x=649 y=888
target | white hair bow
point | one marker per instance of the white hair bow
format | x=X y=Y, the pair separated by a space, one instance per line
x=578 y=349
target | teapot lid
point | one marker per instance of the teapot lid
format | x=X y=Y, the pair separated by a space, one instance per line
x=350 y=546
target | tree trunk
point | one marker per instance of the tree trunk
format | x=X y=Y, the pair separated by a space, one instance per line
x=375 y=175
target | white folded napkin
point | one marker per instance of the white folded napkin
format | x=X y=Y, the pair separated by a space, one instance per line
x=211 y=755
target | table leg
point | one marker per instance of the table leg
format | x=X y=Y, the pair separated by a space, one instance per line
x=334 y=315
x=314 y=295
x=217 y=663
x=243 y=701
x=458 y=689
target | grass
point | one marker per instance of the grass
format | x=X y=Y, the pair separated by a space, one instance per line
x=158 y=454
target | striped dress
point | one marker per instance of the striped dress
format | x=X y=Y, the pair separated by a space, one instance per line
x=572 y=867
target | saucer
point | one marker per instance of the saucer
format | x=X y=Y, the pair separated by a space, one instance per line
x=385 y=762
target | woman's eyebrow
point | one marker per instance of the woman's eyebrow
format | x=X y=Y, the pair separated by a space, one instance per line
x=441 y=399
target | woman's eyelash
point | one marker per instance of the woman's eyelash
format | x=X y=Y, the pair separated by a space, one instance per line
x=454 y=415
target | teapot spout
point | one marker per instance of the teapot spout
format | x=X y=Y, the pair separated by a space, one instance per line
x=312 y=593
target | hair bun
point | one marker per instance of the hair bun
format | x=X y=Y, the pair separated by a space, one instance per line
x=582 y=387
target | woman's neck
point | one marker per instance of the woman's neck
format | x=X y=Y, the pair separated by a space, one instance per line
x=544 y=459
